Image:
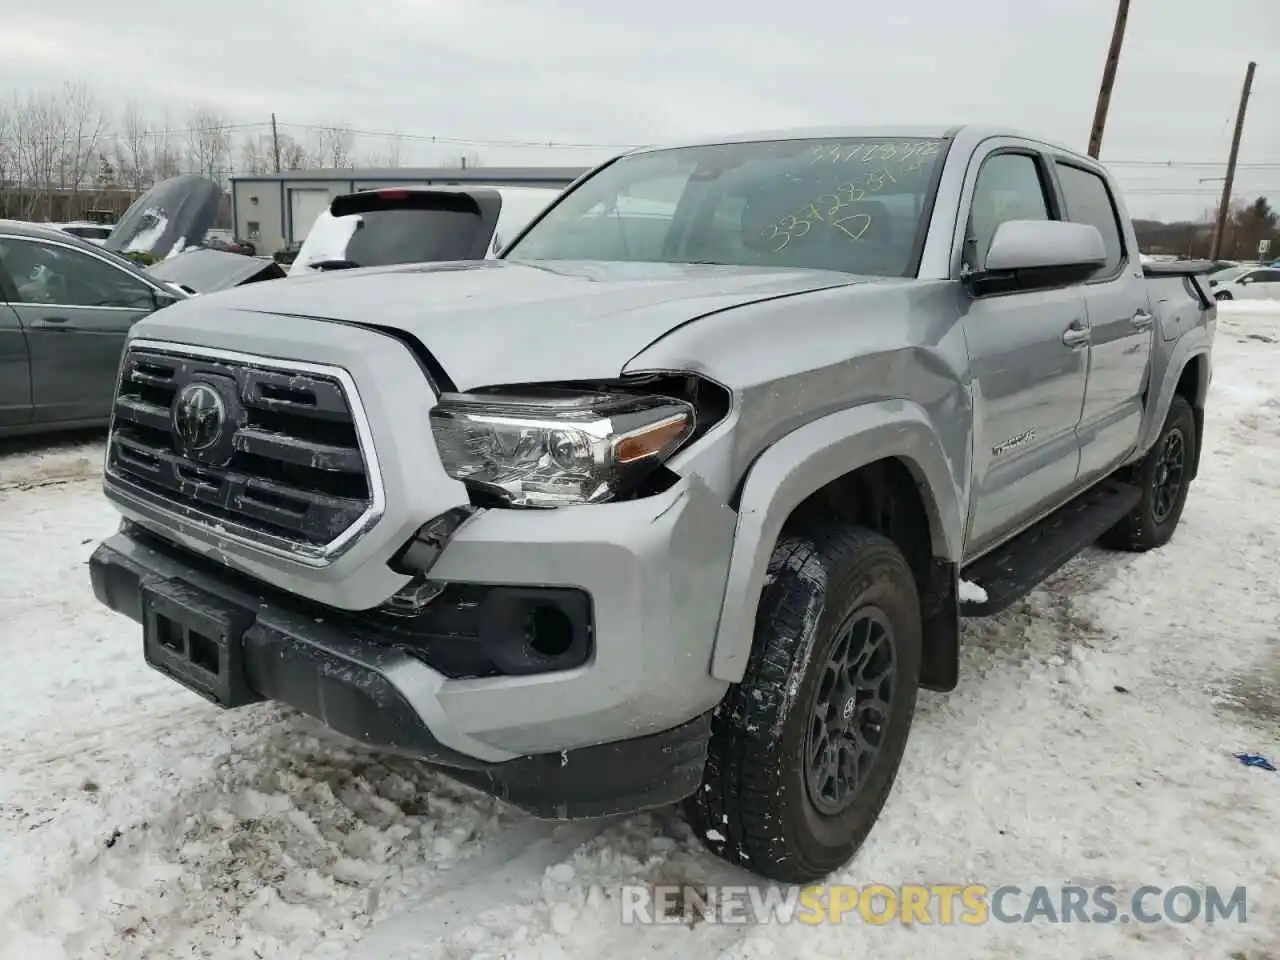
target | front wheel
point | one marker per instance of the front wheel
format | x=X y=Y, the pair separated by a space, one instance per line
x=1224 y=295
x=805 y=750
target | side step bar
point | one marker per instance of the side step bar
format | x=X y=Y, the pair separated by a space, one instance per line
x=1013 y=570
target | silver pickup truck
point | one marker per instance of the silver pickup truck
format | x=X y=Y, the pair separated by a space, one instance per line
x=684 y=496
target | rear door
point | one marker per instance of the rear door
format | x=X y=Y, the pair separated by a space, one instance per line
x=1121 y=326
x=1027 y=355
x=15 y=370
x=76 y=309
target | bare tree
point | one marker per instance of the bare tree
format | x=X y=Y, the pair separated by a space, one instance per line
x=133 y=149
x=41 y=139
x=166 y=155
x=256 y=154
x=209 y=144
x=84 y=119
x=8 y=159
x=334 y=146
x=293 y=155
x=395 y=151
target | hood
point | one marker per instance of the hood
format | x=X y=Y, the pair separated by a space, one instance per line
x=173 y=214
x=207 y=271
x=497 y=322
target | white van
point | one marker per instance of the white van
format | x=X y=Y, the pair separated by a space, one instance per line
x=418 y=223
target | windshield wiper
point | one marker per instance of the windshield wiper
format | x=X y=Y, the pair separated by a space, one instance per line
x=337 y=264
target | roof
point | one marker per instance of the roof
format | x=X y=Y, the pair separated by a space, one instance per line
x=447 y=174
x=46 y=231
x=868 y=131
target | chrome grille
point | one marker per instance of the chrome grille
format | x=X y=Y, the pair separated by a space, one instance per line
x=285 y=466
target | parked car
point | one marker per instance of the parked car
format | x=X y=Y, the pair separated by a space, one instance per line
x=1246 y=283
x=66 y=306
x=417 y=224
x=665 y=507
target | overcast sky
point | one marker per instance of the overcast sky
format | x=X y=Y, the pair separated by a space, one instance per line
x=611 y=72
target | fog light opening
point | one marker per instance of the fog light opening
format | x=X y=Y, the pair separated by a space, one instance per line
x=548 y=631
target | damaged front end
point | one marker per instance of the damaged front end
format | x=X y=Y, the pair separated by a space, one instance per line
x=546 y=448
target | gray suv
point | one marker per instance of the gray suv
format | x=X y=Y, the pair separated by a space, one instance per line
x=674 y=499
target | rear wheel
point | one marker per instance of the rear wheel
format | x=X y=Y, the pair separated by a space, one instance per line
x=1164 y=476
x=806 y=748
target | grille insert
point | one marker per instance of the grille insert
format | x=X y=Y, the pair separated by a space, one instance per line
x=286 y=462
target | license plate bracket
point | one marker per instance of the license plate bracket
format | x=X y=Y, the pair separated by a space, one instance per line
x=197 y=639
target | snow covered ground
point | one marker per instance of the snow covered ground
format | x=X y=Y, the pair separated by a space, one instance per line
x=1090 y=741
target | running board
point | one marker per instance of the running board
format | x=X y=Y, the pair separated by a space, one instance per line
x=1013 y=570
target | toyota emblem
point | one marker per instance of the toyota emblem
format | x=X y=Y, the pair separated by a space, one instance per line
x=199 y=416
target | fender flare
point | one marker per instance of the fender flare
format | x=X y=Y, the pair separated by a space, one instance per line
x=806 y=460
x=1187 y=349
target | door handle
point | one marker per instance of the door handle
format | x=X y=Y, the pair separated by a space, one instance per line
x=1143 y=320
x=1075 y=336
x=50 y=323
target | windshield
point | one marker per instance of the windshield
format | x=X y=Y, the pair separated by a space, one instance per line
x=854 y=205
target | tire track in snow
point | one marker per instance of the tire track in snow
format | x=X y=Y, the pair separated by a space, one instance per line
x=504 y=875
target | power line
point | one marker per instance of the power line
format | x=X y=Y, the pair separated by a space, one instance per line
x=1174 y=164
x=171 y=132
x=1151 y=192
x=564 y=145
x=459 y=141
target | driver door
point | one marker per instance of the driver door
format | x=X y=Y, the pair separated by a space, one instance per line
x=76 y=309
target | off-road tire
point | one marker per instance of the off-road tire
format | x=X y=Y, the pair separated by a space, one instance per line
x=754 y=807
x=1142 y=529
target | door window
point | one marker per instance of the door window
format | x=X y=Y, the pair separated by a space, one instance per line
x=1009 y=187
x=46 y=273
x=1088 y=200
x=1265 y=276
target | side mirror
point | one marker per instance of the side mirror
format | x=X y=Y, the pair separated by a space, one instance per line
x=161 y=300
x=1040 y=254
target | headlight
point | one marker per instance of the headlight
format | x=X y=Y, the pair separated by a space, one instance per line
x=547 y=447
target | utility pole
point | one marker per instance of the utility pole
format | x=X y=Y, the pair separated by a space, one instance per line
x=275 y=142
x=1108 y=80
x=1221 y=228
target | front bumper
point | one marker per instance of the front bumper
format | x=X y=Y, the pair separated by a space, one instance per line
x=378 y=695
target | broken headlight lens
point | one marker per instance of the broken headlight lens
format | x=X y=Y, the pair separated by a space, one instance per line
x=550 y=447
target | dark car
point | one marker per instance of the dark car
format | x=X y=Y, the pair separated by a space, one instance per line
x=66 y=306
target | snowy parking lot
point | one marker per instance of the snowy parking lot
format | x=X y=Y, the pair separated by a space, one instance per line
x=1090 y=742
